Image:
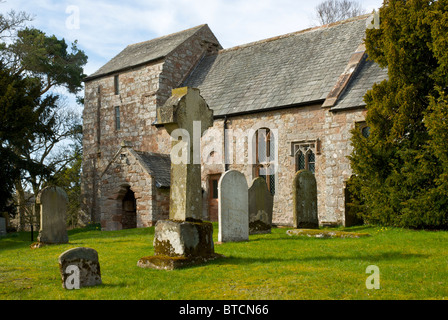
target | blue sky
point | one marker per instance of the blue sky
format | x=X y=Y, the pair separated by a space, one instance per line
x=103 y=28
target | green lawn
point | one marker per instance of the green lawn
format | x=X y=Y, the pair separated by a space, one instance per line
x=412 y=265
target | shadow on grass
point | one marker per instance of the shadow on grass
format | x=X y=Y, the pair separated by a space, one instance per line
x=377 y=257
x=113 y=285
x=16 y=240
x=115 y=233
x=244 y=261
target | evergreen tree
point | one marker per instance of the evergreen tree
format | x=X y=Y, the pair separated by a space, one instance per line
x=32 y=64
x=21 y=111
x=400 y=168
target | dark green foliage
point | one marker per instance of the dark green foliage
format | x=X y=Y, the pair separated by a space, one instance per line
x=47 y=59
x=401 y=167
x=21 y=110
x=31 y=122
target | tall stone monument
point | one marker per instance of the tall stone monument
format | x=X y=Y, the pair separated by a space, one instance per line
x=184 y=239
x=233 y=207
x=53 y=207
x=305 y=200
x=261 y=204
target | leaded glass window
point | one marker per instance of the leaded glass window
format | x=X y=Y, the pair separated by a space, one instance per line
x=305 y=156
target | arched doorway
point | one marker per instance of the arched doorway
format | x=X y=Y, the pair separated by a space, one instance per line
x=129 y=210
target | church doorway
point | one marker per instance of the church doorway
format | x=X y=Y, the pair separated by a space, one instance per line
x=129 y=210
x=213 y=196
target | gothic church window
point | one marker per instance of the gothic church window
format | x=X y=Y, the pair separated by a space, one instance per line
x=305 y=155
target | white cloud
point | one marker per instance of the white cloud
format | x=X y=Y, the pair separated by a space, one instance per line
x=106 y=27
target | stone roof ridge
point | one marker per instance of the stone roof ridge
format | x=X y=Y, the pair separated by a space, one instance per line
x=291 y=34
x=163 y=155
x=136 y=54
x=167 y=35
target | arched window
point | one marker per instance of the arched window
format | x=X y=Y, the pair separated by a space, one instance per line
x=363 y=128
x=365 y=131
x=265 y=151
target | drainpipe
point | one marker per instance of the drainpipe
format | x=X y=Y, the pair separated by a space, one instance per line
x=226 y=165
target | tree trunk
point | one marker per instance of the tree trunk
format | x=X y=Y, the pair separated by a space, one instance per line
x=21 y=205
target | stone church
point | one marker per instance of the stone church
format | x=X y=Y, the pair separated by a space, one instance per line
x=301 y=92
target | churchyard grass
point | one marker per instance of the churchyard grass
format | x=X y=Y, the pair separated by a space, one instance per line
x=411 y=265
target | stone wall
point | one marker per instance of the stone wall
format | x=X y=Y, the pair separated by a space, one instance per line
x=309 y=123
x=181 y=62
x=125 y=171
x=140 y=90
x=137 y=103
x=336 y=147
x=145 y=87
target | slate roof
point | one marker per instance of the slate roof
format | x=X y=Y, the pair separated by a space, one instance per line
x=353 y=96
x=157 y=165
x=143 y=52
x=294 y=69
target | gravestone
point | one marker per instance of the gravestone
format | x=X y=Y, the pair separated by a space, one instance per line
x=185 y=113
x=184 y=239
x=233 y=207
x=2 y=226
x=79 y=268
x=304 y=192
x=53 y=206
x=261 y=203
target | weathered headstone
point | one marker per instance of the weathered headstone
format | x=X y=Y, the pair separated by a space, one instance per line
x=184 y=239
x=2 y=226
x=305 y=200
x=261 y=204
x=53 y=206
x=79 y=268
x=233 y=207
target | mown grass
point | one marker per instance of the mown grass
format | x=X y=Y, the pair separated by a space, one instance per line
x=412 y=265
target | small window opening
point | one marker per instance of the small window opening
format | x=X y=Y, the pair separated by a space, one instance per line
x=117 y=118
x=116 y=85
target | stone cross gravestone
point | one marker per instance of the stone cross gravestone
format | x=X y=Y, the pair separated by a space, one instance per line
x=185 y=114
x=233 y=207
x=53 y=206
x=79 y=268
x=184 y=239
x=261 y=203
x=305 y=200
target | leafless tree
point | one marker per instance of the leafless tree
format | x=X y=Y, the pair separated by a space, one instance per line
x=54 y=151
x=330 y=11
x=12 y=21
